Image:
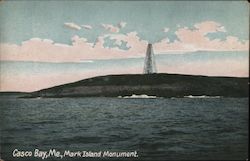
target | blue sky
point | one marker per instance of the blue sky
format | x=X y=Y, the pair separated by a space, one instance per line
x=22 y=20
x=47 y=40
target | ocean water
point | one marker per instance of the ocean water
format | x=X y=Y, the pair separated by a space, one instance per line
x=157 y=129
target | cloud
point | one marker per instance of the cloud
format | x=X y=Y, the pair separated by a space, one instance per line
x=165 y=29
x=189 y=40
x=44 y=50
x=196 y=39
x=82 y=51
x=209 y=27
x=72 y=25
x=111 y=28
x=122 y=24
x=88 y=27
x=137 y=46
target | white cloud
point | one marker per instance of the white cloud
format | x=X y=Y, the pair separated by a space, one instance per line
x=165 y=29
x=72 y=25
x=222 y=29
x=111 y=28
x=122 y=24
x=88 y=27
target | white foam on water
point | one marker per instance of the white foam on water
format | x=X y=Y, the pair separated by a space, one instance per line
x=138 y=96
x=203 y=96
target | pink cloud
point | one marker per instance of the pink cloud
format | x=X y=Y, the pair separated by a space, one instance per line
x=209 y=27
x=189 y=40
x=195 y=40
x=44 y=50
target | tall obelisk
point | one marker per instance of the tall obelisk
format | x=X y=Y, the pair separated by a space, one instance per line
x=149 y=64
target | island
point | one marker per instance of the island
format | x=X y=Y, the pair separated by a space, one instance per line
x=155 y=84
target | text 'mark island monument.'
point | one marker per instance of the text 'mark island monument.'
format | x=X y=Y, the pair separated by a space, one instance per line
x=149 y=64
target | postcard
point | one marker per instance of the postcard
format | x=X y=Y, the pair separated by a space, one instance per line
x=124 y=80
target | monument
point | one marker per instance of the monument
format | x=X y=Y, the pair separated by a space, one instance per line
x=149 y=63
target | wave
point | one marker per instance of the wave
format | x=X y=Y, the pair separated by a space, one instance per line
x=138 y=96
x=203 y=96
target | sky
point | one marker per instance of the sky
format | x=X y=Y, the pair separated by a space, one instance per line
x=47 y=43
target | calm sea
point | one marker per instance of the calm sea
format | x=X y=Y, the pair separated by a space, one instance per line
x=157 y=129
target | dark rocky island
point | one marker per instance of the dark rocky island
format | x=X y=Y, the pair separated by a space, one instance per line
x=13 y=94
x=160 y=85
